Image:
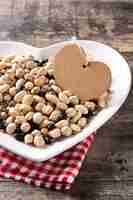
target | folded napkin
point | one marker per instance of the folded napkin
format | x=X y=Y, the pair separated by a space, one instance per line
x=57 y=173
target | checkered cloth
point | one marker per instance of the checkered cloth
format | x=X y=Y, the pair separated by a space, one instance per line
x=57 y=173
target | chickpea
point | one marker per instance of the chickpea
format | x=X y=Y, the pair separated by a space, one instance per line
x=56 y=89
x=44 y=123
x=7 y=97
x=2 y=65
x=37 y=117
x=39 y=107
x=102 y=101
x=76 y=117
x=55 y=133
x=29 y=85
x=38 y=99
x=82 y=122
x=2 y=80
x=9 y=120
x=35 y=132
x=19 y=96
x=11 y=127
x=67 y=93
x=62 y=106
x=28 y=139
x=12 y=91
x=19 y=119
x=4 y=88
x=51 y=98
x=61 y=123
x=74 y=100
x=44 y=131
x=66 y=131
x=29 y=116
x=27 y=99
x=81 y=108
x=24 y=108
x=55 y=115
x=70 y=112
x=25 y=127
x=12 y=112
x=39 y=141
x=75 y=128
x=50 y=68
x=90 y=105
x=19 y=73
x=47 y=109
x=52 y=82
x=63 y=98
x=3 y=115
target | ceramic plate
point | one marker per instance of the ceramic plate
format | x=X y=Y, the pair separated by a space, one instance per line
x=121 y=83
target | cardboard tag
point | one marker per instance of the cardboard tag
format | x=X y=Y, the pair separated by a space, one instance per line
x=74 y=72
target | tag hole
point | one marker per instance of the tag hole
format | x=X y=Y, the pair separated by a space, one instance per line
x=84 y=66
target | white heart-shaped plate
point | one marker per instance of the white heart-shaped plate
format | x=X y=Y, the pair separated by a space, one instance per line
x=121 y=83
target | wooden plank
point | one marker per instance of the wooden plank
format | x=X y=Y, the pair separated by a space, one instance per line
x=88 y=189
x=44 y=22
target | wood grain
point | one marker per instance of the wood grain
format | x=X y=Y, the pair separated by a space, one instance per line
x=107 y=173
x=44 y=22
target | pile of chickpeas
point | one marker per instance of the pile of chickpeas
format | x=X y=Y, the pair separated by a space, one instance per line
x=34 y=109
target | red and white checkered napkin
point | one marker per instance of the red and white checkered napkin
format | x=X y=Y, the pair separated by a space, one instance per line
x=57 y=173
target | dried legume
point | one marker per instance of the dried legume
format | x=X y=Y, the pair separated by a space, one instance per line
x=39 y=141
x=25 y=127
x=62 y=123
x=11 y=127
x=70 y=112
x=66 y=131
x=75 y=128
x=55 y=133
x=82 y=122
x=28 y=139
x=37 y=117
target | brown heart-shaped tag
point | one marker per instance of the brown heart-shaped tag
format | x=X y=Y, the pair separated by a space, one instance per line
x=74 y=72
